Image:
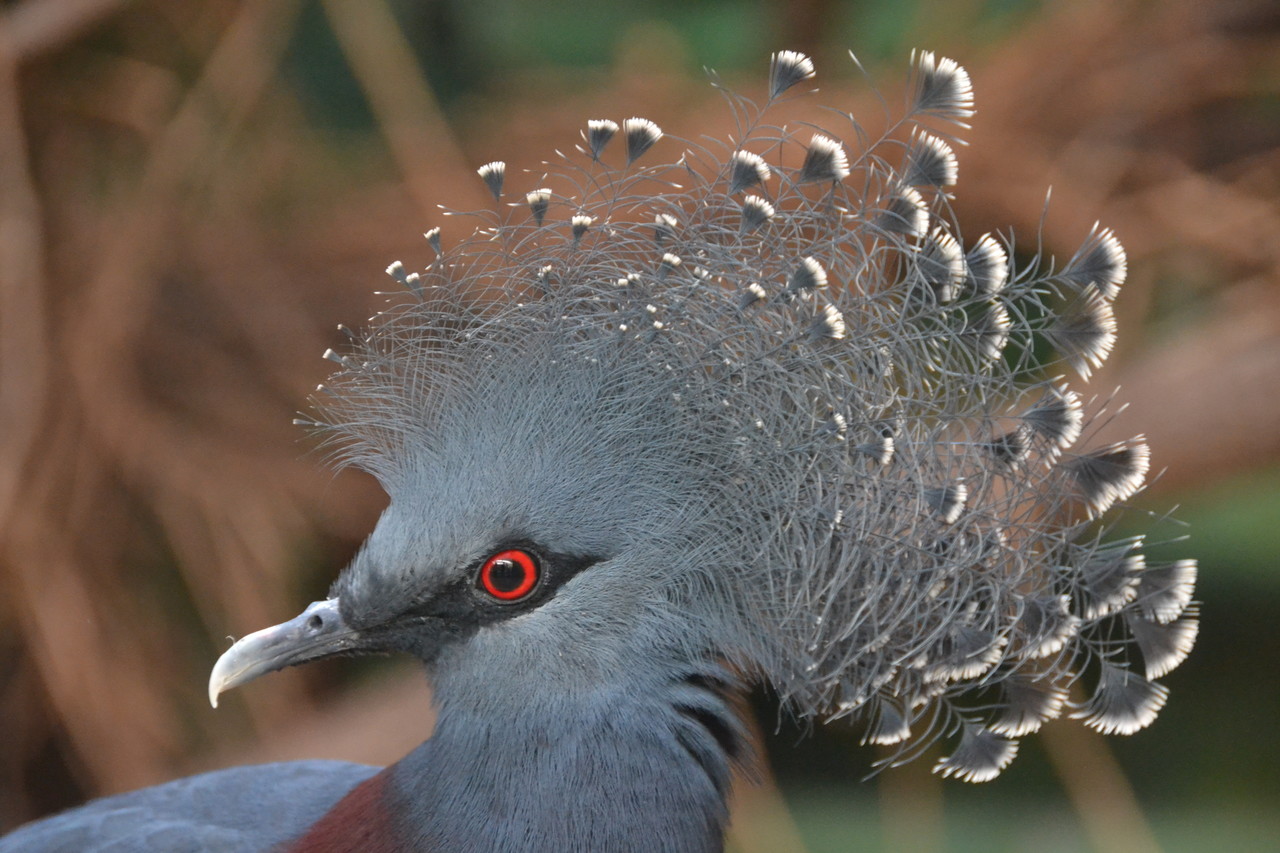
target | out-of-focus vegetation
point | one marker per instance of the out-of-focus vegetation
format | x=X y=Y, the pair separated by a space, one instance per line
x=193 y=195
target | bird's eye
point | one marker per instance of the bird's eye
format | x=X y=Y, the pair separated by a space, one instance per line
x=509 y=575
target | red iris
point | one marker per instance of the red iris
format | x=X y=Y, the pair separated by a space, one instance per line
x=509 y=575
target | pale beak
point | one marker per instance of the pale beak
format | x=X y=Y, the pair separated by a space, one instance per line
x=317 y=632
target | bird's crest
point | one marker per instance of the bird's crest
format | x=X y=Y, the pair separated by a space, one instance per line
x=890 y=510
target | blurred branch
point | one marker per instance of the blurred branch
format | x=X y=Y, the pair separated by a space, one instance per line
x=40 y=26
x=1102 y=796
x=1202 y=398
x=24 y=332
x=70 y=635
x=760 y=821
x=911 y=807
x=234 y=77
x=377 y=721
x=407 y=112
x=108 y=431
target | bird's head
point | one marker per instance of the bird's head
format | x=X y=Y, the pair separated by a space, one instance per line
x=552 y=512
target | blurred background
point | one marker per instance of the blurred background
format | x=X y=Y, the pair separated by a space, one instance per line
x=194 y=194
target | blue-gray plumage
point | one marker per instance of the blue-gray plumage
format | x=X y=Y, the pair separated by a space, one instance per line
x=228 y=810
x=666 y=431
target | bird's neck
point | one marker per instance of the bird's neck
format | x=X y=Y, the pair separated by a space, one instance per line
x=601 y=771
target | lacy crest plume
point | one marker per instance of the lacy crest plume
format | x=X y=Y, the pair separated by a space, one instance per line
x=876 y=464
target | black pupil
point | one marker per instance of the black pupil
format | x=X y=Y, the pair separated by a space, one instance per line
x=506 y=575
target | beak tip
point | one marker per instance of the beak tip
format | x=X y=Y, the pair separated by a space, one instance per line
x=217 y=681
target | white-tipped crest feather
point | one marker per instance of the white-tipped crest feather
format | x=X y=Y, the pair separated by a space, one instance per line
x=799 y=415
